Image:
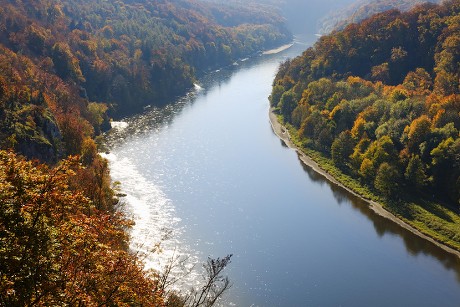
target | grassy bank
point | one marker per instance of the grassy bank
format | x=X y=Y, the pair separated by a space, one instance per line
x=428 y=217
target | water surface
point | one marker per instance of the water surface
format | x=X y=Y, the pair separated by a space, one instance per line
x=207 y=176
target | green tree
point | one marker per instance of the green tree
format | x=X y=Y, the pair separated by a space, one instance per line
x=300 y=113
x=381 y=150
x=387 y=180
x=275 y=97
x=287 y=105
x=67 y=65
x=415 y=173
x=342 y=148
x=442 y=162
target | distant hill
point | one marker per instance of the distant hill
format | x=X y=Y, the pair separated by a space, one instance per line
x=362 y=9
x=302 y=16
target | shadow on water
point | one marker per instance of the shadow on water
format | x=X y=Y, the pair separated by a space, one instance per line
x=283 y=143
x=154 y=118
x=413 y=243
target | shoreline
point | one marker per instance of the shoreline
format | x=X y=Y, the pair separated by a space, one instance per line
x=278 y=50
x=377 y=208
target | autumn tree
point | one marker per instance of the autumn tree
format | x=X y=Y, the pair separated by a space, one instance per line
x=418 y=132
x=419 y=82
x=57 y=248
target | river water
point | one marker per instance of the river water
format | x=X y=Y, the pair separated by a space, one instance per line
x=206 y=176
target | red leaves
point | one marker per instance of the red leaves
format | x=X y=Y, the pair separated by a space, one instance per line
x=57 y=248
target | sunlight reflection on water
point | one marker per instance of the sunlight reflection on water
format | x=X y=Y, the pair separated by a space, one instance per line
x=156 y=236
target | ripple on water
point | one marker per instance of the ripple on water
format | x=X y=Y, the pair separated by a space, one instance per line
x=156 y=235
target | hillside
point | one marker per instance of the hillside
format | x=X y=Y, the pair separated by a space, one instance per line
x=380 y=100
x=362 y=9
x=65 y=63
x=64 y=66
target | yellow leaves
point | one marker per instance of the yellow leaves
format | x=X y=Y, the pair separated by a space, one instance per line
x=398 y=94
x=358 y=128
x=137 y=55
x=66 y=63
x=367 y=169
x=84 y=250
x=419 y=128
x=107 y=31
x=438 y=118
x=354 y=81
x=397 y=25
x=336 y=111
x=398 y=54
x=446 y=83
x=451 y=43
x=325 y=113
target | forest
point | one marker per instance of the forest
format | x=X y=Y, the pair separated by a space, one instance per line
x=362 y=9
x=65 y=67
x=67 y=64
x=381 y=100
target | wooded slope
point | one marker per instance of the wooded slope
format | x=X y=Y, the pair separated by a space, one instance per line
x=382 y=99
x=63 y=63
x=362 y=9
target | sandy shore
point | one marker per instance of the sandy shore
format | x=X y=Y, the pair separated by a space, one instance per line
x=283 y=134
x=278 y=50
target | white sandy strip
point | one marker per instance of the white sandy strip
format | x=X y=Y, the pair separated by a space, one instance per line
x=278 y=50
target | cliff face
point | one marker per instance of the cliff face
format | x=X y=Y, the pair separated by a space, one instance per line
x=30 y=129
x=45 y=144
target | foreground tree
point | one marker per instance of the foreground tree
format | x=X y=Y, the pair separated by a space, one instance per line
x=215 y=284
x=58 y=247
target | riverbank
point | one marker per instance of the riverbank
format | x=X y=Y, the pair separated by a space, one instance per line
x=278 y=50
x=283 y=133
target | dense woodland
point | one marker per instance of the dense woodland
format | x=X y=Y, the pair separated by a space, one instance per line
x=65 y=243
x=382 y=99
x=65 y=63
x=362 y=9
x=64 y=66
x=61 y=241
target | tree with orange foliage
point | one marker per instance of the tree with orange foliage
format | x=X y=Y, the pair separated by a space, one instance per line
x=57 y=248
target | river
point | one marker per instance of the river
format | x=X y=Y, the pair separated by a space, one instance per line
x=206 y=176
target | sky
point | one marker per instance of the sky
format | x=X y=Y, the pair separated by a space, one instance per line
x=303 y=15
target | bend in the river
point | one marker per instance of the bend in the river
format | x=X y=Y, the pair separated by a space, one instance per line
x=207 y=176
